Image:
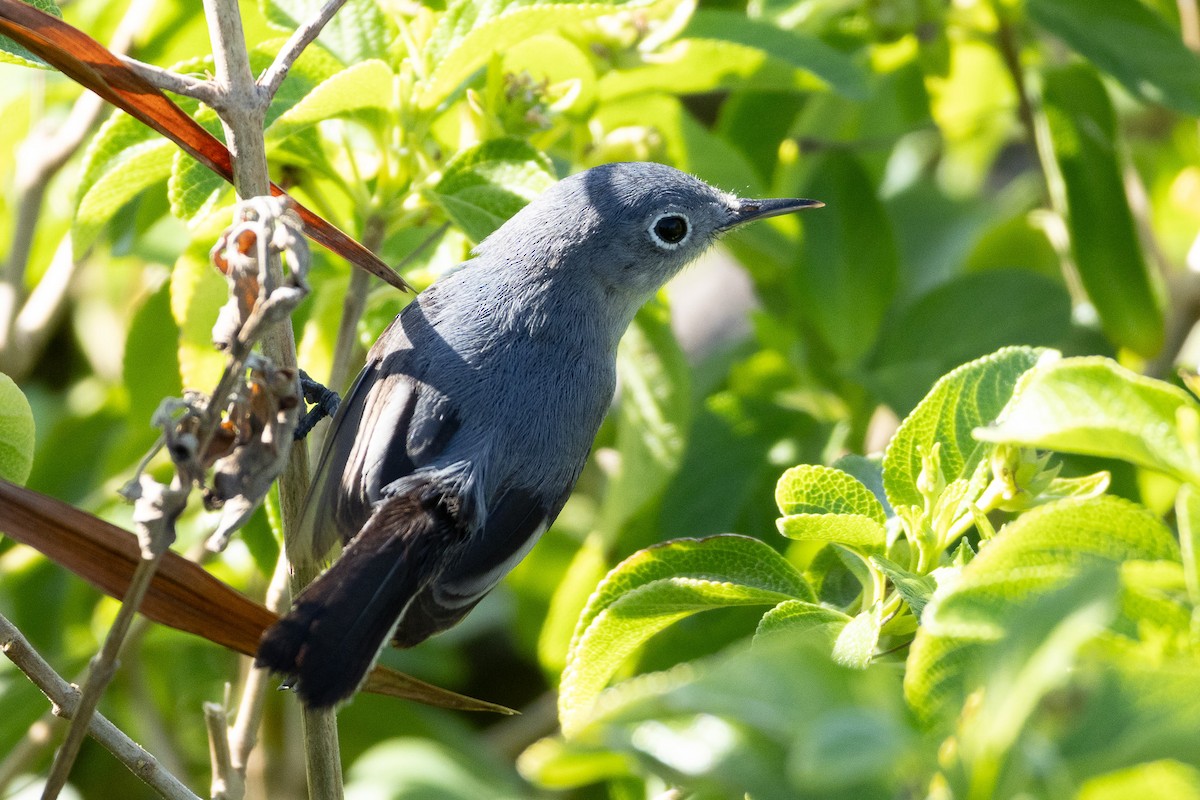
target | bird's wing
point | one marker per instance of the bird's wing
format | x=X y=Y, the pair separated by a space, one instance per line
x=389 y=425
x=514 y=522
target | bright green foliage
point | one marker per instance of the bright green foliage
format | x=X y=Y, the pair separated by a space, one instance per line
x=485 y=185
x=16 y=432
x=1075 y=586
x=1094 y=406
x=657 y=587
x=996 y=599
x=1104 y=241
x=970 y=396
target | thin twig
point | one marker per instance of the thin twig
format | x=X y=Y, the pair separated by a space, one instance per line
x=65 y=699
x=227 y=783
x=103 y=666
x=243 y=734
x=272 y=77
x=168 y=81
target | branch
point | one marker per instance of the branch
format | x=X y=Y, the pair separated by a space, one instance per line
x=169 y=81
x=65 y=701
x=273 y=76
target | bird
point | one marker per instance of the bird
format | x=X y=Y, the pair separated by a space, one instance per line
x=465 y=432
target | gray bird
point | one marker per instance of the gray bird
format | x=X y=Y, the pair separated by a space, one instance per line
x=462 y=437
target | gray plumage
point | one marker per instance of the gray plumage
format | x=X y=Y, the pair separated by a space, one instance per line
x=464 y=434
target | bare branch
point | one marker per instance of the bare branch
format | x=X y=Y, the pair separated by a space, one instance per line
x=169 y=81
x=273 y=76
x=103 y=666
x=65 y=699
x=227 y=784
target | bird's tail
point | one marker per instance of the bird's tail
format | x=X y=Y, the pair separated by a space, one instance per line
x=337 y=626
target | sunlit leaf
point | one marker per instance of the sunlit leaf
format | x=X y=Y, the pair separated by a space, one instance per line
x=16 y=432
x=657 y=587
x=970 y=396
x=1095 y=406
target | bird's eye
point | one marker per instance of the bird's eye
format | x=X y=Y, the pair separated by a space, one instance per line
x=669 y=230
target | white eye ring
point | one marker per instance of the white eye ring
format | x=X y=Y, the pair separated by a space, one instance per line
x=663 y=238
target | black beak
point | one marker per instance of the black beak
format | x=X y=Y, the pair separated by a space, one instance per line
x=751 y=210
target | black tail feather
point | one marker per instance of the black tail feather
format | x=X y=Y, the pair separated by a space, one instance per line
x=329 y=640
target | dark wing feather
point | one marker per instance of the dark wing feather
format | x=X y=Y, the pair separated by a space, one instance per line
x=389 y=424
x=339 y=623
x=515 y=521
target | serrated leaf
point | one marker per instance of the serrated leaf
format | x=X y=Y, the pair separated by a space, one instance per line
x=1041 y=549
x=471 y=32
x=1131 y=42
x=358 y=31
x=815 y=489
x=915 y=589
x=587 y=569
x=853 y=530
x=961 y=401
x=855 y=645
x=368 y=85
x=658 y=586
x=867 y=470
x=16 y=432
x=1095 y=406
x=798 y=616
x=13 y=53
x=483 y=186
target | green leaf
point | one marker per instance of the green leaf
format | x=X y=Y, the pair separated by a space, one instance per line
x=656 y=587
x=197 y=293
x=483 y=186
x=813 y=489
x=1131 y=42
x=1157 y=779
x=852 y=530
x=470 y=32
x=150 y=365
x=414 y=767
x=367 y=85
x=16 y=432
x=358 y=31
x=1041 y=549
x=915 y=589
x=552 y=763
x=725 y=50
x=652 y=419
x=925 y=339
x=1094 y=406
x=587 y=569
x=855 y=645
x=193 y=189
x=1037 y=656
x=13 y=53
x=1187 y=513
x=1104 y=239
x=757 y=720
x=834 y=69
x=961 y=401
x=124 y=159
x=798 y=616
x=846 y=271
